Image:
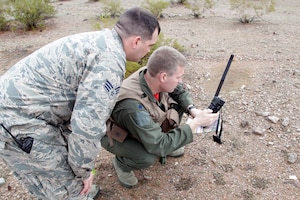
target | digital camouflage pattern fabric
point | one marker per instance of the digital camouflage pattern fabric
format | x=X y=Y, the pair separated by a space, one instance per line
x=61 y=95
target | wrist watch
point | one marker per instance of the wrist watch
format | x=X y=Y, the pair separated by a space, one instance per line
x=190 y=107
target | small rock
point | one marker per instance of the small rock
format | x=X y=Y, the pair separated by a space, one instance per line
x=293 y=177
x=147 y=177
x=270 y=144
x=292 y=157
x=265 y=114
x=297 y=85
x=258 y=131
x=285 y=121
x=2 y=181
x=273 y=119
x=243 y=87
x=244 y=124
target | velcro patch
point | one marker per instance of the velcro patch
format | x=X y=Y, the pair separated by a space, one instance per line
x=142 y=118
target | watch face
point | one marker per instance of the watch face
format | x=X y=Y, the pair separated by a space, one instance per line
x=191 y=107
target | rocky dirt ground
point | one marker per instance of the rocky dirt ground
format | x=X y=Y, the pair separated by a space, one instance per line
x=259 y=157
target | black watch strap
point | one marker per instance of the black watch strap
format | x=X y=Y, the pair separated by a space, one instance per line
x=190 y=107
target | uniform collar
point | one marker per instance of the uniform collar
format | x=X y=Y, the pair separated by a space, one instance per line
x=117 y=36
x=144 y=86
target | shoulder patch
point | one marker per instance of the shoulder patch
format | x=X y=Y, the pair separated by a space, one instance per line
x=110 y=89
x=140 y=107
x=142 y=118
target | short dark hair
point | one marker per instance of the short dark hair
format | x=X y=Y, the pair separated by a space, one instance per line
x=167 y=59
x=137 y=21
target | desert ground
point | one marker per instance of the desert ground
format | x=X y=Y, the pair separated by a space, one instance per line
x=259 y=157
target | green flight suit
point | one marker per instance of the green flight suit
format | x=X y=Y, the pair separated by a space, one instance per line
x=137 y=112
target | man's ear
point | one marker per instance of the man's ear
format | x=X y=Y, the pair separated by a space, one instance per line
x=135 y=41
x=162 y=76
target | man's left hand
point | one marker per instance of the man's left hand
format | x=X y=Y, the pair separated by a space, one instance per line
x=87 y=184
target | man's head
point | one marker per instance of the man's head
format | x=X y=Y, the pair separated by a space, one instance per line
x=139 y=30
x=166 y=64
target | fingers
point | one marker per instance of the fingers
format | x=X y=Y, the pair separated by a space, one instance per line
x=85 y=190
x=208 y=113
x=206 y=117
x=214 y=117
x=207 y=110
x=87 y=184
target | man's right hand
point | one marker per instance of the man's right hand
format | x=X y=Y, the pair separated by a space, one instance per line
x=203 y=118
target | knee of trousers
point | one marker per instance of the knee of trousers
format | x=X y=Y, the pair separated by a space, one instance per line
x=147 y=160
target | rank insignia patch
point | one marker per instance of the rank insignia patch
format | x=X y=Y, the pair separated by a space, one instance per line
x=110 y=89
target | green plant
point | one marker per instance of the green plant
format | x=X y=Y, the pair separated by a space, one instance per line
x=179 y=1
x=156 y=6
x=105 y=22
x=112 y=9
x=248 y=10
x=3 y=21
x=4 y=15
x=162 y=41
x=31 y=13
x=131 y=67
x=198 y=7
x=109 y=14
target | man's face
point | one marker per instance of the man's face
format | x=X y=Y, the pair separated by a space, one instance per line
x=143 y=47
x=171 y=81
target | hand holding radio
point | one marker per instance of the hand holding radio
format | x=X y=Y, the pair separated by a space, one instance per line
x=203 y=118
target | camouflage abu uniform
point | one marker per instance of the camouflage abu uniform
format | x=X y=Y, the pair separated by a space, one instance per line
x=61 y=95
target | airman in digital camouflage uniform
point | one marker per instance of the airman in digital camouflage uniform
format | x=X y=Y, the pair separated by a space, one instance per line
x=55 y=102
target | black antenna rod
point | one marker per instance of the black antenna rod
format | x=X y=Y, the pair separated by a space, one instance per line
x=224 y=75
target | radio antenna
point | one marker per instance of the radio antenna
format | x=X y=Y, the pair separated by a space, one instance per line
x=224 y=75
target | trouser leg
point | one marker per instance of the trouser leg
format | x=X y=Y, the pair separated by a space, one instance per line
x=130 y=154
x=44 y=172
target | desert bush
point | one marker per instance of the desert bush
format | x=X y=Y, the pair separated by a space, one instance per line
x=3 y=20
x=104 y=22
x=156 y=6
x=109 y=14
x=31 y=13
x=198 y=7
x=162 y=41
x=248 y=10
x=112 y=9
x=131 y=67
x=178 y=1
